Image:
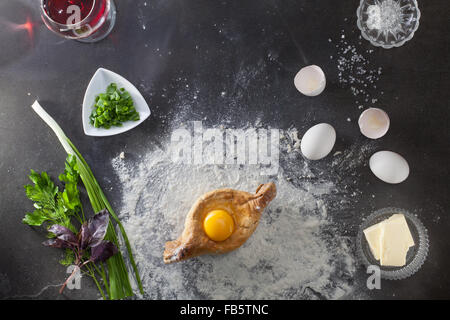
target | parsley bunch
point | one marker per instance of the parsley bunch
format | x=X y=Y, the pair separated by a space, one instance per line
x=51 y=205
x=113 y=108
x=56 y=209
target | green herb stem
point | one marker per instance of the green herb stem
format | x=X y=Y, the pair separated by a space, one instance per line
x=113 y=214
x=92 y=275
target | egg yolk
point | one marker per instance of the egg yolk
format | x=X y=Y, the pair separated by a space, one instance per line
x=218 y=225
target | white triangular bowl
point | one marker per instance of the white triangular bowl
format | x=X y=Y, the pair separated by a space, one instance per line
x=98 y=84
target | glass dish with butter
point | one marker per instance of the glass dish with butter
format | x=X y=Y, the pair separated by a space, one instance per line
x=394 y=240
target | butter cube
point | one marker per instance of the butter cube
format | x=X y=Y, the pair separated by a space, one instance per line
x=397 y=239
x=390 y=240
x=374 y=236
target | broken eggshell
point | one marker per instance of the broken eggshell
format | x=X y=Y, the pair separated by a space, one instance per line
x=374 y=123
x=389 y=167
x=310 y=80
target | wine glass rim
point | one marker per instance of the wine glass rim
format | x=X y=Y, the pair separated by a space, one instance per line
x=67 y=25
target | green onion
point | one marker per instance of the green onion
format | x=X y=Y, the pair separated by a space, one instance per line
x=119 y=283
x=113 y=108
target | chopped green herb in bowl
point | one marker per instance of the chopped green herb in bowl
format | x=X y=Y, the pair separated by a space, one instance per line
x=113 y=108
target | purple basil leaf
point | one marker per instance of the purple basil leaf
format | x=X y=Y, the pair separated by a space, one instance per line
x=64 y=234
x=103 y=251
x=70 y=238
x=93 y=232
x=84 y=236
x=98 y=226
x=57 y=243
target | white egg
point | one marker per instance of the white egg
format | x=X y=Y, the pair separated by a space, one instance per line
x=318 y=141
x=374 y=123
x=310 y=80
x=389 y=166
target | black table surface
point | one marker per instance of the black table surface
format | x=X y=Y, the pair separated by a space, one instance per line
x=207 y=43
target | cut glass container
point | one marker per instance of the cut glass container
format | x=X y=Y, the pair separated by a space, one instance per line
x=388 y=23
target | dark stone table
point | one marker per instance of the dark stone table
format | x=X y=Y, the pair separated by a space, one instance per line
x=209 y=43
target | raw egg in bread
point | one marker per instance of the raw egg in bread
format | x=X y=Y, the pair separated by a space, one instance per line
x=218 y=225
x=219 y=221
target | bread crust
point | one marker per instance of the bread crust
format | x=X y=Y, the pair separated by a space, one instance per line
x=244 y=207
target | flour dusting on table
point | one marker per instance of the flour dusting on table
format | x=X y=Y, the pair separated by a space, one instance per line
x=293 y=253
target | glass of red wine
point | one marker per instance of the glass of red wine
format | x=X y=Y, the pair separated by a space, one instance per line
x=83 y=20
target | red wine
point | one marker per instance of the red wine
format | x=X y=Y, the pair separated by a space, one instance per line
x=94 y=19
x=57 y=9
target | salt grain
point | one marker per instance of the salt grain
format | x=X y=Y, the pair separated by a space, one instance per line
x=355 y=70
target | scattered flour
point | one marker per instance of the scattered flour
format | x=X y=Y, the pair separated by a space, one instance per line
x=355 y=156
x=300 y=249
x=294 y=253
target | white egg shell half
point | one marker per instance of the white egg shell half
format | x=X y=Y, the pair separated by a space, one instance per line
x=374 y=123
x=310 y=80
x=389 y=166
x=318 y=141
